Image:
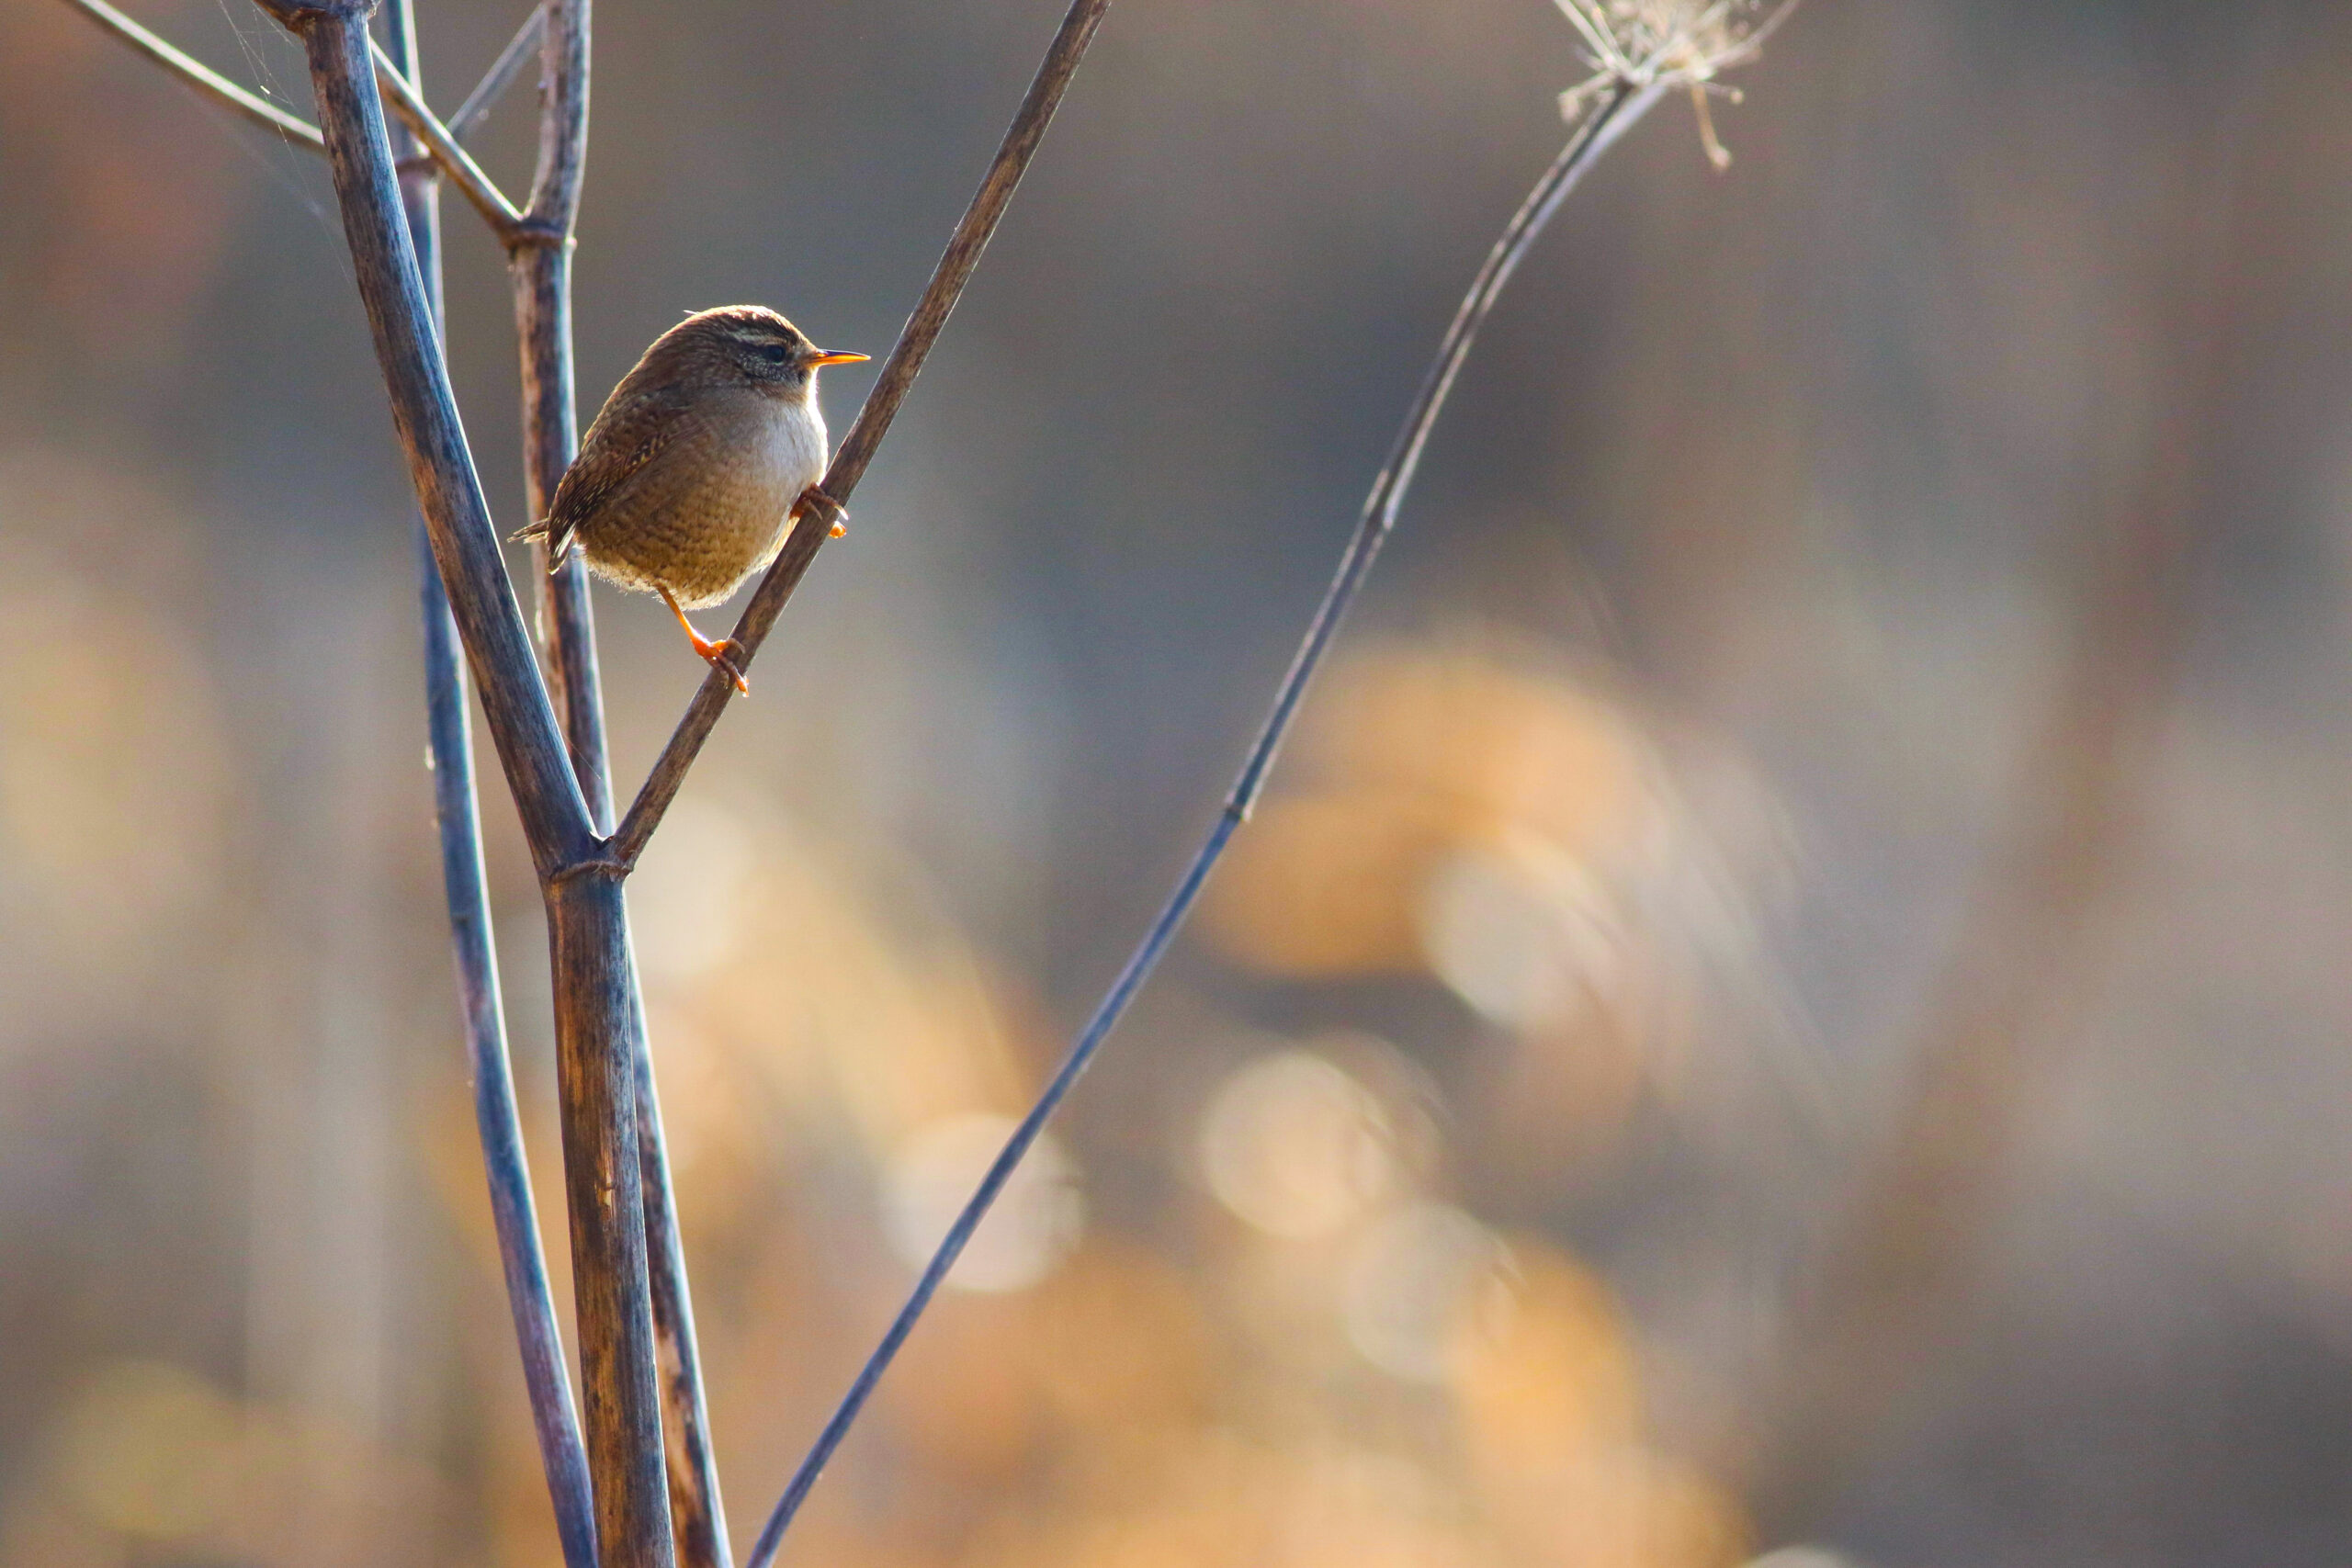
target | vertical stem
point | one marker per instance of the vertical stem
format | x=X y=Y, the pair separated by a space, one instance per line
x=696 y=1513
x=456 y=816
x=541 y=275
x=595 y=1002
x=542 y=279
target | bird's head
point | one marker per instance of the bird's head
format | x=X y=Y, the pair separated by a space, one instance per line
x=746 y=344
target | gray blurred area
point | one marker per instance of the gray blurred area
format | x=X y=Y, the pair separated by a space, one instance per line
x=1791 y=994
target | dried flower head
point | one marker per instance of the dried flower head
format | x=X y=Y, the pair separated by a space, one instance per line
x=1641 y=43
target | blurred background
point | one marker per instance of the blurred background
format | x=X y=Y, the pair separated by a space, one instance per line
x=1790 y=996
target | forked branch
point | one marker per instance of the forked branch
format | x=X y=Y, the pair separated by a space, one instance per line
x=587 y=924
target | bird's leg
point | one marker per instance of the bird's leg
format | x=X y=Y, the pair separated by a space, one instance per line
x=721 y=654
x=815 y=502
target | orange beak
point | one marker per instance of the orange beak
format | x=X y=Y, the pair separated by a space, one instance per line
x=824 y=359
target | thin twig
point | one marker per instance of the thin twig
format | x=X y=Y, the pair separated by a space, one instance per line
x=439 y=144
x=497 y=1122
x=899 y=373
x=501 y=75
x=195 y=73
x=1607 y=56
x=514 y=1215
x=452 y=160
x=1616 y=110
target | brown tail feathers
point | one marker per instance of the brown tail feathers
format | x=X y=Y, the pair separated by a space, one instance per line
x=559 y=541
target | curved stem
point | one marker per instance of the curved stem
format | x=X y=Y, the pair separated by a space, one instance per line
x=1611 y=115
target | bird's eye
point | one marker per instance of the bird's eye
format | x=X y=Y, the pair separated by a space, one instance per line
x=774 y=353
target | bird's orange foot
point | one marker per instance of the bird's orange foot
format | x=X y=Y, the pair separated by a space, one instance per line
x=721 y=655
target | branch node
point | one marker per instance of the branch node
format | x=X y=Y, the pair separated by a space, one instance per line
x=301 y=17
x=530 y=233
x=597 y=866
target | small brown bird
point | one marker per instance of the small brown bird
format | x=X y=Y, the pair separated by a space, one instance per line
x=699 y=464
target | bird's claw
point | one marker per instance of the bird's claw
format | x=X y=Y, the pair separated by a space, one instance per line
x=721 y=655
x=816 y=504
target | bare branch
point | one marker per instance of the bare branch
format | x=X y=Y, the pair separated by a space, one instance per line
x=899 y=373
x=452 y=159
x=597 y=1017
x=200 y=77
x=1617 y=109
x=497 y=1121
x=501 y=75
x=563 y=124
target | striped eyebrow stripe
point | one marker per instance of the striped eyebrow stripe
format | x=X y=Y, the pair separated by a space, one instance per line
x=758 y=333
